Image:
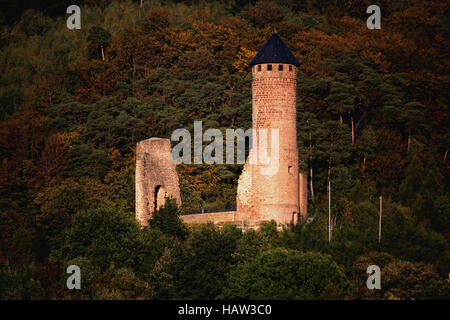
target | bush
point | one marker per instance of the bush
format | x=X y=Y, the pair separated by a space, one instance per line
x=167 y=220
x=408 y=280
x=287 y=274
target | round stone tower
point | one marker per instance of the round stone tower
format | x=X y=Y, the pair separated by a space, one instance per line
x=272 y=194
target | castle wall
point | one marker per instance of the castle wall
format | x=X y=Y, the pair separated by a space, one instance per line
x=218 y=218
x=156 y=177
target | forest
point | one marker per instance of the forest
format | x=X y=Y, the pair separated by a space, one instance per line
x=372 y=118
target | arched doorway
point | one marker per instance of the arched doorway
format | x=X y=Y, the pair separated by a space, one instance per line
x=159 y=197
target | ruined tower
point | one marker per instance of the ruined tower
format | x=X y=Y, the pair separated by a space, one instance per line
x=261 y=196
x=156 y=177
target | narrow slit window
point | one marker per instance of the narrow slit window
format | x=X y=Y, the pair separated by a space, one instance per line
x=259 y=67
x=280 y=67
x=269 y=67
x=290 y=68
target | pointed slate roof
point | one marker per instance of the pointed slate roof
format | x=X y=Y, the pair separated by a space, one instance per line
x=274 y=50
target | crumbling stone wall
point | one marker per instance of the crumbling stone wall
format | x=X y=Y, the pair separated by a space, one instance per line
x=156 y=177
x=218 y=218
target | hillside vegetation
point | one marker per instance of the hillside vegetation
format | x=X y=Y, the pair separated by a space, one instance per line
x=372 y=118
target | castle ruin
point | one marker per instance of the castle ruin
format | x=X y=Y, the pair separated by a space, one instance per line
x=282 y=196
x=156 y=177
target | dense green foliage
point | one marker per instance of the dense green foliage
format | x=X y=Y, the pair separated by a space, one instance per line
x=167 y=220
x=287 y=274
x=372 y=119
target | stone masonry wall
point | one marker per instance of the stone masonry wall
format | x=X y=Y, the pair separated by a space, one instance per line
x=265 y=197
x=218 y=218
x=156 y=177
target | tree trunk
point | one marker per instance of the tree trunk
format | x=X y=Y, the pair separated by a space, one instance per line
x=329 y=211
x=311 y=187
x=340 y=118
x=329 y=160
x=409 y=141
x=311 y=168
x=445 y=155
x=103 y=53
x=353 y=131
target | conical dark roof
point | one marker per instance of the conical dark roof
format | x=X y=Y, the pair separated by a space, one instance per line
x=274 y=51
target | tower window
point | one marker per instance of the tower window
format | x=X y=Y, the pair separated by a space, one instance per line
x=269 y=67
x=290 y=68
x=280 y=67
x=259 y=67
x=290 y=169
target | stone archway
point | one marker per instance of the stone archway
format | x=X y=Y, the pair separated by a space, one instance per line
x=159 y=196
